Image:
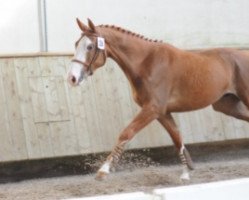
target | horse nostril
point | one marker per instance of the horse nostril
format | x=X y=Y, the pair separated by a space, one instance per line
x=73 y=79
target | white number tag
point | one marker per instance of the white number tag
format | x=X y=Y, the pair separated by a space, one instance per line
x=101 y=43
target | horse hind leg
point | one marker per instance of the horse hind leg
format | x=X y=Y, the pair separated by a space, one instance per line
x=242 y=80
x=243 y=95
x=233 y=106
x=169 y=124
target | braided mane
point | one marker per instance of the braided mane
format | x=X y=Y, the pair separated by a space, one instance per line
x=117 y=28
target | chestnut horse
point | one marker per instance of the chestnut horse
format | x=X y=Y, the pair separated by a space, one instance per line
x=164 y=79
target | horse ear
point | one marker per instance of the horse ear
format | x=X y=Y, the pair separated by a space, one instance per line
x=82 y=26
x=91 y=25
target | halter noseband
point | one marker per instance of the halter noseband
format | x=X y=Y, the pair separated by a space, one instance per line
x=96 y=53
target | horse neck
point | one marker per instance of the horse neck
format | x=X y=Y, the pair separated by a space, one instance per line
x=127 y=50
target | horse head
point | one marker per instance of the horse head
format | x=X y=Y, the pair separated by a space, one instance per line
x=90 y=53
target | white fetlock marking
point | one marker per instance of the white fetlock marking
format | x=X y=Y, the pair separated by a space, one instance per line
x=105 y=168
x=185 y=174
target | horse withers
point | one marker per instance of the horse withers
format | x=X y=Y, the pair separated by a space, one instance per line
x=164 y=79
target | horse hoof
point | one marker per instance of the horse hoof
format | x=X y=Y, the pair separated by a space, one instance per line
x=100 y=176
x=190 y=165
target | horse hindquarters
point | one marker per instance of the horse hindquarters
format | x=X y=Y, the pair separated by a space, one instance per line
x=237 y=105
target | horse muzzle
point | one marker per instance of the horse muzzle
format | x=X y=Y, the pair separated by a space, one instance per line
x=73 y=80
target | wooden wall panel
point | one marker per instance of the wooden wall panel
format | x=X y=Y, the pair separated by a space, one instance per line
x=6 y=147
x=16 y=128
x=42 y=116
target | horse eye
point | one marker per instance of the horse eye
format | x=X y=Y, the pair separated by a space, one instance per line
x=90 y=47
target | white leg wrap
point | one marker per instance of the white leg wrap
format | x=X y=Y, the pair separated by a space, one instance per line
x=185 y=173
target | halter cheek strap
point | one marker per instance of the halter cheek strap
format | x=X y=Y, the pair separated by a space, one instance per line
x=89 y=66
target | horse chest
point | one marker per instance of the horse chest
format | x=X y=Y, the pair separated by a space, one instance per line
x=138 y=97
x=138 y=91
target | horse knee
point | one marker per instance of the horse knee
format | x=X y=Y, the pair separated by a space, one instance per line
x=125 y=137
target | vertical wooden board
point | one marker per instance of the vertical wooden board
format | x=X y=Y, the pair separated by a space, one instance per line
x=6 y=148
x=52 y=66
x=33 y=69
x=228 y=127
x=44 y=136
x=56 y=101
x=61 y=67
x=246 y=129
x=240 y=131
x=58 y=114
x=39 y=107
x=89 y=114
x=185 y=127
x=123 y=93
x=62 y=98
x=218 y=130
x=32 y=140
x=13 y=107
x=47 y=66
x=103 y=111
x=204 y=126
x=55 y=136
x=51 y=99
x=212 y=125
x=83 y=136
x=96 y=127
x=63 y=143
x=53 y=133
x=67 y=86
x=112 y=97
x=197 y=129
x=52 y=69
x=38 y=99
x=76 y=97
x=62 y=70
x=80 y=116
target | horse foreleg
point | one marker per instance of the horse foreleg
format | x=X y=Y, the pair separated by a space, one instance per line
x=146 y=115
x=169 y=124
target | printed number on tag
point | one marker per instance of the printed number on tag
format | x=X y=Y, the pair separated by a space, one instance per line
x=101 y=43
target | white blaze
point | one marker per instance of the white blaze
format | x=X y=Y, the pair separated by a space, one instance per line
x=76 y=69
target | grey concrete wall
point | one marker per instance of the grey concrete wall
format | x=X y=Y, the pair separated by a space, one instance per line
x=186 y=24
x=19 y=30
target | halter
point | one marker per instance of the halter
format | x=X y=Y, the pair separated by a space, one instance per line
x=95 y=56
